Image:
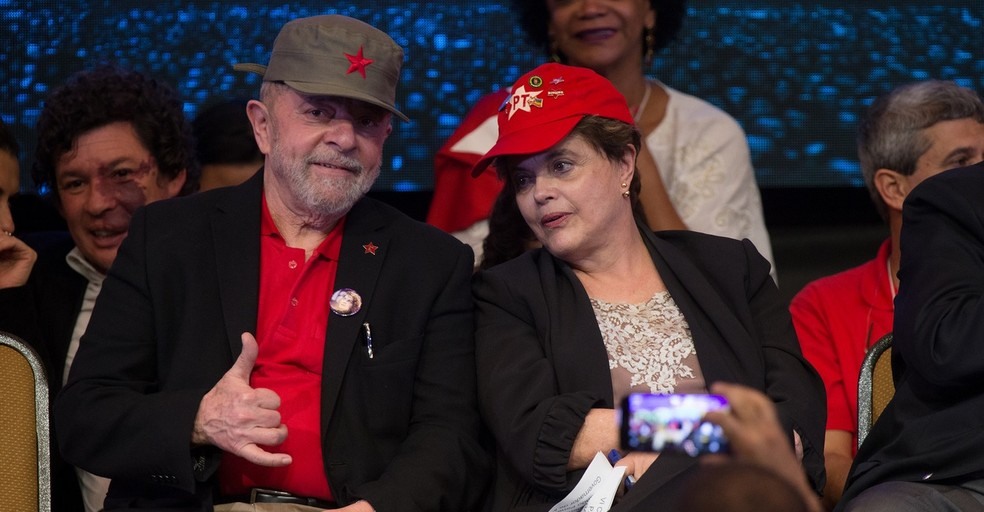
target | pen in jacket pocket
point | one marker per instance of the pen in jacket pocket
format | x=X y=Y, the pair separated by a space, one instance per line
x=368 y=333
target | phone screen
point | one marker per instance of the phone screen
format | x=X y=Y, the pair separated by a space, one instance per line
x=672 y=423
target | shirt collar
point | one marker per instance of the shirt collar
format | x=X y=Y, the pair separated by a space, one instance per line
x=79 y=264
x=330 y=247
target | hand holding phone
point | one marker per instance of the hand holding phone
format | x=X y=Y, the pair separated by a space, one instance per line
x=672 y=423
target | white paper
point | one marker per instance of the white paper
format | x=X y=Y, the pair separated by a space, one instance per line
x=604 y=492
x=596 y=489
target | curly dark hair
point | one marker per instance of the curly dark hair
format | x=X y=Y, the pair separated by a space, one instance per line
x=107 y=94
x=534 y=17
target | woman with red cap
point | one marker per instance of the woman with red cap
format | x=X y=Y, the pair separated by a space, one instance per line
x=608 y=307
x=694 y=163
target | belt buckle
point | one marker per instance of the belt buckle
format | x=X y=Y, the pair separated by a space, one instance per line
x=277 y=496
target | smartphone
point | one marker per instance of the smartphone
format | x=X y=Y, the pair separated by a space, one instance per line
x=672 y=424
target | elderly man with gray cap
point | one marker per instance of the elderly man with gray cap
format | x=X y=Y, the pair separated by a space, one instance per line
x=287 y=344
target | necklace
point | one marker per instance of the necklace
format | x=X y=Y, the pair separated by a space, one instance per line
x=642 y=104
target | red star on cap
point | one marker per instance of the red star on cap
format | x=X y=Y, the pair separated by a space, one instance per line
x=370 y=248
x=358 y=63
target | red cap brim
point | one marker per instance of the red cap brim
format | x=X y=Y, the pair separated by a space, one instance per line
x=529 y=141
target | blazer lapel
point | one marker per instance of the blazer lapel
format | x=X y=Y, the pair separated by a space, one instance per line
x=574 y=341
x=365 y=247
x=236 y=237
x=713 y=325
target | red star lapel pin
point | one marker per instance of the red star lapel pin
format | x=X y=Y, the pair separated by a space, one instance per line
x=370 y=248
x=358 y=63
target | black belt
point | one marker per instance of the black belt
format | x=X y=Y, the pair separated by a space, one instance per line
x=257 y=495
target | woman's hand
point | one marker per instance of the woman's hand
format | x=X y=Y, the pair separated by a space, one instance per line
x=637 y=463
x=16 y=261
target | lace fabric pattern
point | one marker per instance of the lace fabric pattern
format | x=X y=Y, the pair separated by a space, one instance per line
x=650 y=342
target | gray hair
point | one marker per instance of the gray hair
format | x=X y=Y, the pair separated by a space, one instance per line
x=269 y=91
x=890 y=135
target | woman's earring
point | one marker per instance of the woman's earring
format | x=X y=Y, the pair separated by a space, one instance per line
x=625 y=193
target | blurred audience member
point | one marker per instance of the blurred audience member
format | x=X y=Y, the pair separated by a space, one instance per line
x=735 y=486
x=913 y=132
x=924 y=453
x=761 y=473
x=694 y=163
x=9 y=178
x=109 y=141
x=225 y=146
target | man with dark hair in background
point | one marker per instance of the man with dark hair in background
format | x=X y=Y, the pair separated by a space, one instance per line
x=109 y=141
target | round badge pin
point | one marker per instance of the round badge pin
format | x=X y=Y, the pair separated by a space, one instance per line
x=345 y=302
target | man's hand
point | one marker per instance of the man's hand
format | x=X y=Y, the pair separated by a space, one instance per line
x=752 y=427
x=239 y=419
x=16 y=261
x=755 y=435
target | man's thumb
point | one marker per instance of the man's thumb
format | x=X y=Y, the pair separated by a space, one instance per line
x=247 y=358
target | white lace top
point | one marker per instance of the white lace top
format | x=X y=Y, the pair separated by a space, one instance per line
x=650 y=348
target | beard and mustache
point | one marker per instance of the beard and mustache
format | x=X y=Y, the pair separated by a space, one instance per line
x=322 y=200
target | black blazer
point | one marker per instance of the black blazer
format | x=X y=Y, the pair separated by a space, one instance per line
x=933 y=429
x=542 y=362
x=400 y=428
x=43 y=313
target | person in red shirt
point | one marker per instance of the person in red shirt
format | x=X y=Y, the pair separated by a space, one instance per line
x=287 y=341
x=923 y=453
x=907 y=135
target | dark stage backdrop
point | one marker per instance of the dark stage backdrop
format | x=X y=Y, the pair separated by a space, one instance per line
x=796 y=75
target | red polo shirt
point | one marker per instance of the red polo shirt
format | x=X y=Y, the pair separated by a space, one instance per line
x=291 y=325
x=837 y=318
